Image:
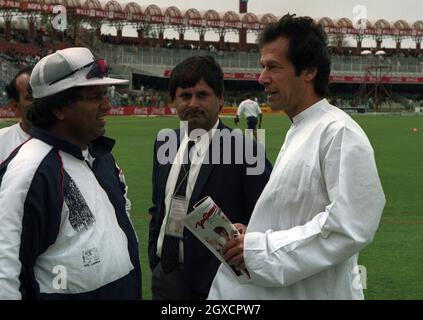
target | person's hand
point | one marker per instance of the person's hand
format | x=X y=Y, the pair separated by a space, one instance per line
x=233 y=252
x=236 y=121
x=240 y=227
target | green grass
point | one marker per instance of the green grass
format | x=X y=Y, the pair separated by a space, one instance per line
x=392 y=261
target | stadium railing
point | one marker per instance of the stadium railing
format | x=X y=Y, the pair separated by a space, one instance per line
x=249 y=61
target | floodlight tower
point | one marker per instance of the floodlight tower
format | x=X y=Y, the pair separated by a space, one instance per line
x=372 y=85
x=243 y=5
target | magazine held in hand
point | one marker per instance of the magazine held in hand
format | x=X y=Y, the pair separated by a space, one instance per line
x=210 y=225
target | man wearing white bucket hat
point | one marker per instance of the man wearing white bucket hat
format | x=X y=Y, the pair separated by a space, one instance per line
x=65 y=232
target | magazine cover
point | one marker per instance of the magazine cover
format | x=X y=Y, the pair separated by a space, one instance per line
x=210 y=225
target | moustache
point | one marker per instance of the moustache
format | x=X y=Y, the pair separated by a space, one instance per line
x=193 y=112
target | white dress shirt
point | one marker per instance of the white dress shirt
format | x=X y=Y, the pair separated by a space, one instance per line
x=321 y=206
x=200 y=149
x=248 y=108
x=11 y=138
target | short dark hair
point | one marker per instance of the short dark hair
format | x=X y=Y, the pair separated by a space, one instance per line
x=190 y=71
x=11 y=90
x=307 y=46
x=41 y=114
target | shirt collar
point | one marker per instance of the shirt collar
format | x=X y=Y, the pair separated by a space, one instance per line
x=202 y=142
x=97 y=147
x=203 y=137
x=307 y=113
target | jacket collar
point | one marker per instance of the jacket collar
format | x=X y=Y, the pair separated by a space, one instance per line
x=97 y=147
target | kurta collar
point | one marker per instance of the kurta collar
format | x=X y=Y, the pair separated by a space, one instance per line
x=307 y=113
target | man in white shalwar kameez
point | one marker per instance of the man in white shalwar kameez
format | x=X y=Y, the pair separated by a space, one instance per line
x=324 y=199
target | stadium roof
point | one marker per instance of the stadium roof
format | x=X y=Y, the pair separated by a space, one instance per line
x=132 y=12
x=133 y=7
x=418 y=25
x=112 y=6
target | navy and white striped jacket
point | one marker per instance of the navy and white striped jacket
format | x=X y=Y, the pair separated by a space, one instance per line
x=64 y=230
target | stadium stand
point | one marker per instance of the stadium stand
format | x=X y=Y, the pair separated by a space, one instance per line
x=387 y=81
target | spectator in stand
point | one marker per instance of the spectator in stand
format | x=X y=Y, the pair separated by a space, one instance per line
x=154 y=100
x=125 y=99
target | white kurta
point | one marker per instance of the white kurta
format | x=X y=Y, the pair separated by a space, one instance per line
x=321 y=206
x=11 y=138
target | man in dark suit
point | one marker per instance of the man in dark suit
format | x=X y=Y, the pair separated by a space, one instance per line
x=215 y=162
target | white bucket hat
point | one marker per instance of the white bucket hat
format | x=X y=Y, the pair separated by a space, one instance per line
x=68 y=68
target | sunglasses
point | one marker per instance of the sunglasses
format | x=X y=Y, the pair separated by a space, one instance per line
x=98 y=69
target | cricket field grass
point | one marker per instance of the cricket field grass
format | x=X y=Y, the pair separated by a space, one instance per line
x=390 y=265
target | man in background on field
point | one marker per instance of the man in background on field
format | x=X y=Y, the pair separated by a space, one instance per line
x=20 y=101
x=252 y=112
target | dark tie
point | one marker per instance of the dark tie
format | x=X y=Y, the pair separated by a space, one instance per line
x=170 y=248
